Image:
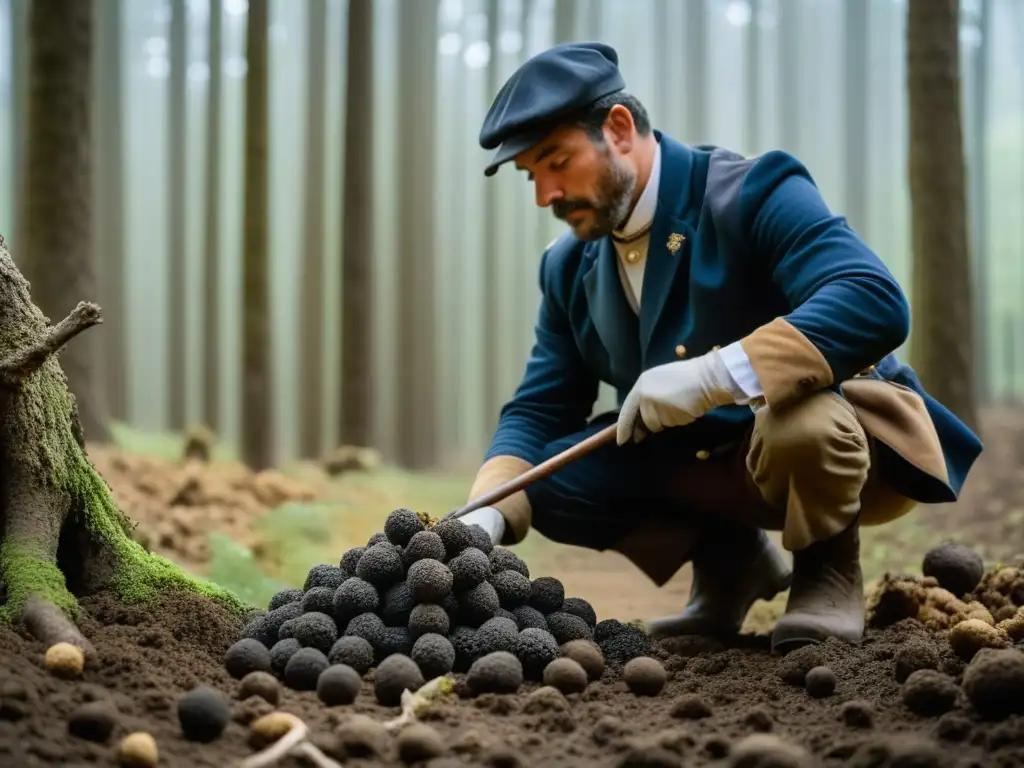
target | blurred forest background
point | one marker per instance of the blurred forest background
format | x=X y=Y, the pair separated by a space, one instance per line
x=281 y=208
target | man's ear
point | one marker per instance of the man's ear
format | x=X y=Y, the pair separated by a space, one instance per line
x=619 y=128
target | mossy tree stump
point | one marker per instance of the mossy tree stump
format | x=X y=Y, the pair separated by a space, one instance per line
x=63 y=534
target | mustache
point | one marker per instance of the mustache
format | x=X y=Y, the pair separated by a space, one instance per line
x=563 y=208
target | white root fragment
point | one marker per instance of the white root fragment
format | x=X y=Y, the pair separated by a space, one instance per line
x=415 y=704
x=293 y=742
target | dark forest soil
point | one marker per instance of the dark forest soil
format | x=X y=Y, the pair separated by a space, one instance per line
x=149 y=658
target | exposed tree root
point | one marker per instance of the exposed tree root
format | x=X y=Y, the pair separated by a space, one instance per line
x=62 y=532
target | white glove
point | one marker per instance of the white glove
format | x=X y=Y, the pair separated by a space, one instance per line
x=488 y=518
x=675 y=394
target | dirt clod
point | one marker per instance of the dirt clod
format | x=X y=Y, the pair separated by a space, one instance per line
x=418 y=742
x=261 y=684
x=820 y=682
x=94 y=721
x=566 y=675
x=645 y=676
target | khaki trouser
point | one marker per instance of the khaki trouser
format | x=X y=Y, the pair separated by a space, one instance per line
x=806 y=471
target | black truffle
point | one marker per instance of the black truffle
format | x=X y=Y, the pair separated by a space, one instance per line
x=455 y=535
x=627 y=644
x=427 y=618
x=497 y=672
x=259 y=629
x=424 y=545
x=503 y=559
x=463 y=640
x=528 y=617
x=507 y=614
x=402 y=525
x=547 y=594
x=396 y=674
x=319 y=600
x=284 y=596
x=381 y=565
x=496 y=634
x=245 y=656
x=397 y=605
x=535 y=649
x=512 y=587
x=434 y=655
x=350 y=559
x=315 y=630
x=277 y=617
x=480 y=538
x=281 y=652
x=394 y=640
x=287 y=629
x=577 y=606
x=354 y=597
x=304 y=668
x=352 y=651
x=378 y=538
x=338 y=684
x=956 y=567
x=429 y=580
x=470 y=568
x=323 y=575
x=606 y=629
x=367 y=626
x=478 y=604
x=203 y=714
x=566 y=628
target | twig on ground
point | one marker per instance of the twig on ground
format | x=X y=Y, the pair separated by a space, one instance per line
x=293 y=742
x=415 y=704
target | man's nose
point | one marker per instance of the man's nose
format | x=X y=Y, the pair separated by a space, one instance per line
x=547 y=193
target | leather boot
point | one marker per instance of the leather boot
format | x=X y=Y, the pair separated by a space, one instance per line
x=735 y=565
x=827 y=596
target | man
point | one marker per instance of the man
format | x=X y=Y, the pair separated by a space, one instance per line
x=749 y=334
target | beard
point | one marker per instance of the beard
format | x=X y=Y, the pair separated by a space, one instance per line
x=610 y=204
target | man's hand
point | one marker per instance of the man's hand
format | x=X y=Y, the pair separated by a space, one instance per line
x=673 y=395
x=488 y=518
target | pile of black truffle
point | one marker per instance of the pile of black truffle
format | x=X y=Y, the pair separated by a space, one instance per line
x=419 y=602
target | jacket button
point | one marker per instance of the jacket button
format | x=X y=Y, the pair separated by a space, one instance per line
x=806 y=383
x=680 y=351
x=702 y=455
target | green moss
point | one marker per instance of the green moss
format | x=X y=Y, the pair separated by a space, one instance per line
x=28 y=573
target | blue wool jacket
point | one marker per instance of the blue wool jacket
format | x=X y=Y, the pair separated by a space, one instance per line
x=761 y=260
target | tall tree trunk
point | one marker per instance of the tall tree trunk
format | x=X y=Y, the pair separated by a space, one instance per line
x=978 y=205
x=177 y=127
x=109 y=197
x=942 y=345
x=257 y=415
x=357 y=357
x=416 y=73
x=752 y=102
x=311 y=301
x=19 y=102
x=788 y=78
x=696 y=58
x=211 y=231
x=57 y=193
x=491 y=354
x=855 y=113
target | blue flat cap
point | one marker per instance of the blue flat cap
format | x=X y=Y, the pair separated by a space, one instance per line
x=546 y=88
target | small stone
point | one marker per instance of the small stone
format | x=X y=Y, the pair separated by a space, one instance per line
x=588 y=655
x=820 y=682
x=138 y=750
x=418 y=742
x=566 y=675
x=362 y=736
x=94 y=721
x=929 y=692
x=857 y=714
x=338 y=684
x=644 y=676
x=203 y=714
x=768 y=749
x=261 y=684
x=65 y=660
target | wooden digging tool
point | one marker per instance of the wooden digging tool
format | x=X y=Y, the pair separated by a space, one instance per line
x=542 y=470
